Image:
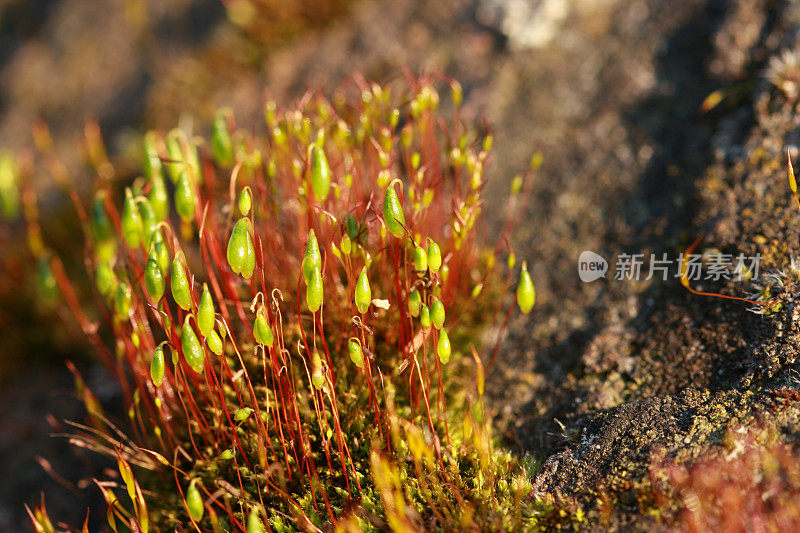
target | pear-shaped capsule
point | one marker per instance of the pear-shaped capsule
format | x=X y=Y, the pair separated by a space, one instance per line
x=161 y=251
x=193 y=351
x=414 y=303
x=151 y=163
x=434 y=257
x=261 y=330
x=420 y=259
x=363 y=292
x=241 y=252
x=194 y=502
x=314 y=291
x=320 y=173
x=526 y=294
x=355 y=352
x=317 y=372
x=313 y=258
x=254 y=523
x=132 y=230
x=437 y=313
x=221 y=142
x=214 y=343
x=351 y=227
x=205 y=312
x=425 y=316
x=185 y=198
x=245 y=201
x=102 y=229
x=105 y=279
x=157 y=366
x=443 y=347
x=149 y=221
x=179 y=283
x=154 y=281
x=159 y=197
x=393 y=212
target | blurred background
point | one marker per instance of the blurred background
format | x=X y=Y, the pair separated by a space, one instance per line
x=609 y=91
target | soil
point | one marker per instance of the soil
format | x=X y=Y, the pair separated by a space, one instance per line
x=605 y=381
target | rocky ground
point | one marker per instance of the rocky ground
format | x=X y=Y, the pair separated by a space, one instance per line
x=624 y=391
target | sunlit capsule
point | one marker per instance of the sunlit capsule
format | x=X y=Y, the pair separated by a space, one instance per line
x=185 y=198
x=314 y=290
x=193 y=351
x=158 y=197
x=179 y=283
x=149 y=221
x=157 y=366
x=254 y=523
x=346 y=245
x=132 y=230
x=245 y=201
x=443 y=347
x=214 y=343
x=355 y=352
x=221 y=142
x=102 y=229
x=437 y=313
x=414 y=303
x=363 y=292
x=205 y=312
x=526 y=294
x=154 y=281
x=261 y=330
x=420 y=259
x=393 y=215
x=317 y=372
x=241 y=252
x=434 y=257
x=152 y=163
x=320 y=173
x=425 y=316
x=312 y=259
x=194 y=502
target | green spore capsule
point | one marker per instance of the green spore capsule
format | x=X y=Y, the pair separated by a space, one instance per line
x=526 y=294
x=123 y=300
x=245 y=201
x=157 y=366
x=193 y=351
x=149 y=221
x=132 y=229
x=443 y=347
x=241 y=252
x=351 y=227
x=414 y=303
x=151 y=163
x=261 y=330
x=314 y=291
x=179 y=283
x=105 y=279
x=420 y=259
x=175 y=140
x=320 y=173
x=425 y=316
x=205 y=312
x=162 y=253
x=363 y=292
x=313 y=258
x=355 y=352
x=437 y=313
x=221 y=142
x=194 y=503
x=214 y=343
x=393 y=215
x=158 y=195
x=102 y=229
x=317 y=372
x=185 y=199
x=254 y=523
x=434 y=257
x=154 y=281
